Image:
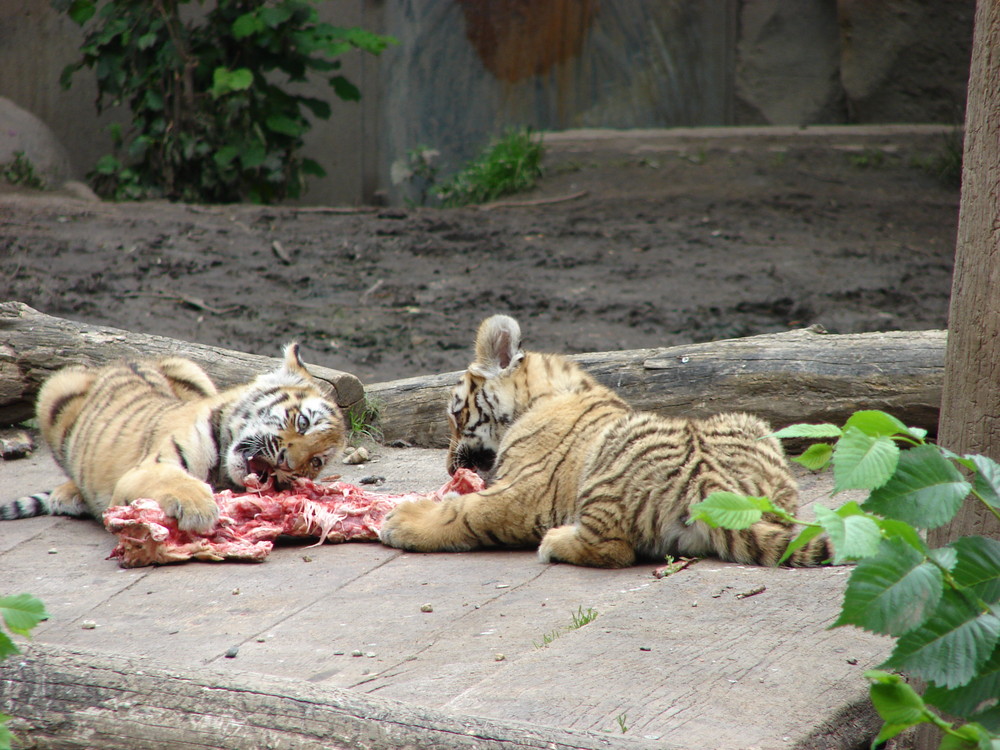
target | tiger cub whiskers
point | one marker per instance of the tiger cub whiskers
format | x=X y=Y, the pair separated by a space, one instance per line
x=161 y=430
x=574 y=470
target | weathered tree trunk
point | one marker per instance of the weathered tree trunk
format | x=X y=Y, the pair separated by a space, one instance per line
x=970 y=403
x=34 y=345
x=798 y=376
x=67 y=700
x=970 y=407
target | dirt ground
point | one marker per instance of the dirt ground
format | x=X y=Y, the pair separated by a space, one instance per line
x=646 y=245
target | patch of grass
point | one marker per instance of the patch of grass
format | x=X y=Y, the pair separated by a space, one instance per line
x=869 y=158
x=945 y=165
x=512 y=164
x=363 y=420
x=20 y=171
x=579 y=618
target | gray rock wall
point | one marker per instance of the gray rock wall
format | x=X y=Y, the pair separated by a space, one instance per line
x=464 y=69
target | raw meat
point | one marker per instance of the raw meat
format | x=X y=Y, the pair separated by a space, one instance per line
x=249 y=522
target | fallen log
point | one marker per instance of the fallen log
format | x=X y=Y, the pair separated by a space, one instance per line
x=797 y=376
x=33 y=345
x=66 y=699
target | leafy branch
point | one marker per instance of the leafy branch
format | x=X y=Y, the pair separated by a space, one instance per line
x=942 y=606
x=20 y=614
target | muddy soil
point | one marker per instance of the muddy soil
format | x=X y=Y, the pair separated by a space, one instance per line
x=643 y=251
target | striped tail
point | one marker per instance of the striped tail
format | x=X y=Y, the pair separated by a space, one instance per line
x=41 y=504
x=765 y=542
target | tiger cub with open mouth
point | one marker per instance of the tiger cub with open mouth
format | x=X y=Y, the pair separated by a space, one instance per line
x=572 y=468
x=161 y=430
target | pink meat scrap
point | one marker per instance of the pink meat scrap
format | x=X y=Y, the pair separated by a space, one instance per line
x=250 y=521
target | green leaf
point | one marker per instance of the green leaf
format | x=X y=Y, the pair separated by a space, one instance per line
x=877 y=423
x=147 y=40
x=926 y=489
x=313 y=168
x=225 y=81
x=979 y=696
x=896 y=702
x=805 y=536
x=863 y=462
x=253 y=156
x=318 y=107
x=816 y=456
x=809 y=431
x=987 y=482
x=345 y=89
x=7 y=647
x=978 y=566
x=22 y=612
x=891 y=593
x=225 y=155
x=107 y=164
x=246 y=25
x=892 y=528
x=81 y=11
x=728 y=510
x=949 y=648
x=853 y=534
x=284 y=125
x=275 y=16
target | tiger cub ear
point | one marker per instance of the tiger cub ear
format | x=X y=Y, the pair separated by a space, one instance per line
x=498 y=346
x=293 y=361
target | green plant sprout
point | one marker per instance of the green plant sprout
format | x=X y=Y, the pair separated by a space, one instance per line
x=621 y=719
x=941 y=606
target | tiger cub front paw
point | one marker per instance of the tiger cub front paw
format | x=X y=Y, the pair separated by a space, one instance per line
x=419 y=526
x=192 y=504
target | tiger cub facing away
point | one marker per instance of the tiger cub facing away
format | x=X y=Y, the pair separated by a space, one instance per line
x=572 y=467
x=161 y=430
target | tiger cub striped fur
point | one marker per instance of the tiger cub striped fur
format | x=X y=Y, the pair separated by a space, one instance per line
x=573 y=469
x=161 y=430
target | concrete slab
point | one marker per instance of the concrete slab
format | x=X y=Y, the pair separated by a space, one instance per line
x=690 y=660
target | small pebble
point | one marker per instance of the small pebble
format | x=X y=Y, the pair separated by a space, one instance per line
x=88 y=624
x=370 y=654
x=262 y=639
x=499 y=657
x=358 y=456
x=372 y=479
x=338 y=653
x=357 y=652
x=232 y=651
x=306 y=558
x=53 y=551
x=426 y=608
x=645 y=648
x=236 y=592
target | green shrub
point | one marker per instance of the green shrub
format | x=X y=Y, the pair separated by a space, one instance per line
x=213 y=119
x=942 y=606
x=511 y=164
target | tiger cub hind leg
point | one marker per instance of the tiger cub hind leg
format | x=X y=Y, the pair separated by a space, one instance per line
x=179 y=494
x=575 y=545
